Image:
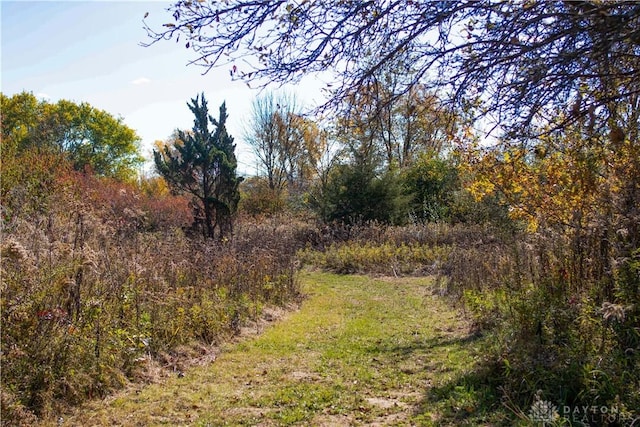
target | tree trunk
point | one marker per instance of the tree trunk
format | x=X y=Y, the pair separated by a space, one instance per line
x=210 y=226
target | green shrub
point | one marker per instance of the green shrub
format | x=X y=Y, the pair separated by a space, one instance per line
x=359 y=193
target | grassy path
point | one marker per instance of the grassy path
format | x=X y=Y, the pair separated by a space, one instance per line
x=360 y=351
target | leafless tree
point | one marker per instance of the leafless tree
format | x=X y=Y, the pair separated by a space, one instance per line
x=286 y=144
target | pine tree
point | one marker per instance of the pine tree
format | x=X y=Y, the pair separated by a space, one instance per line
x=203 y=163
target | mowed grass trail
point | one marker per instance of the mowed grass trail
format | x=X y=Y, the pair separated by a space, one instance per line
x=359 y=351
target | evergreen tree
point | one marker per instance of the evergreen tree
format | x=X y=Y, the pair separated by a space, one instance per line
x=362 y=191
x=203 y=163
x=431 y=183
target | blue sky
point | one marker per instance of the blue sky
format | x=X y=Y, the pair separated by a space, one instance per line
x=88 y=51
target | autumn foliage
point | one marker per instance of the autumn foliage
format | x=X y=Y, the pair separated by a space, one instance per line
x=535 y=235
x=100 y=284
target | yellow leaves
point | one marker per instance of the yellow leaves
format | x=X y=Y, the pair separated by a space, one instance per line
x=532 y=225
x=160 y=145
x=481 y=188
x=558 y=180
x=507 y=157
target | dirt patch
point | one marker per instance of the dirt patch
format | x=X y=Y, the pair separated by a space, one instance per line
x=385 y=403
x=269 y=315
x=325 y=420
x=304 y=376
x=389 y=420
x=250 y=411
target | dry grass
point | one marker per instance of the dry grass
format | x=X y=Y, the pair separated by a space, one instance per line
x=94 y=297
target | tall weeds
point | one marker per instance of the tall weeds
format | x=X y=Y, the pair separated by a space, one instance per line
x=103 y=280
x=563 y=320
x=560 y=333
x=375 y=248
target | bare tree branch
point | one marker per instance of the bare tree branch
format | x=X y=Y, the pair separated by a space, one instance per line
x=519 y=60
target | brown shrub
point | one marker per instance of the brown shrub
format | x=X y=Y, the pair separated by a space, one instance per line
x=89 y=290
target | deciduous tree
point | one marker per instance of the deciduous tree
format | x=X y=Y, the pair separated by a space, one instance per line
x=400 y=128
x=87 y=136
x=286 y=144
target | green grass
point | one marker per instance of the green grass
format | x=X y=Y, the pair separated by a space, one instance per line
x=359 y=351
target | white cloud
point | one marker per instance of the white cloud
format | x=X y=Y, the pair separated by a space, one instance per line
x=43 y=95
x=140 y=81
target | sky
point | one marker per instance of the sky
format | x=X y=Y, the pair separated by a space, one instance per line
x=89 y=51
